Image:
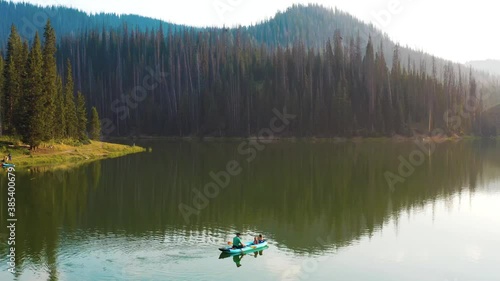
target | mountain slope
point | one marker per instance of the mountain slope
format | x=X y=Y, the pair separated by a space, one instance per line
x=491 y=120
x=489 y=66
x=29 y=18
x=312 y=25
x=317 y=62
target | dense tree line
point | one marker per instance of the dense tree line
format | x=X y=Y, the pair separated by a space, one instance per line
x=34 y=103
x=226 y=82
x=312 y=24
x=30 y=18
x=216 y=83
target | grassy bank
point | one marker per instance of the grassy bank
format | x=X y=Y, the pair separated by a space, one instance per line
x=57 y=153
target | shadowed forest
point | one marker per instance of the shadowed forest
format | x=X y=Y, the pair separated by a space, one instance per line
x=170 y=80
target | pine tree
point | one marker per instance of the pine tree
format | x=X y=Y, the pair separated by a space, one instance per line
x=81 y=114
x=475 y=98
x=49 y=81
x=1 y=88
x=23 y=59
x=30 y=120
x=95 y=125
x=60 y=117
x=395 y=109
x=69 y=104
x=369 y=84
x=12 y=86
x=229 y=85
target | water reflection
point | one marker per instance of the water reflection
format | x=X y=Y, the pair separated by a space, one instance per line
x=238 y=257
x=294 y=193
x=47 y=201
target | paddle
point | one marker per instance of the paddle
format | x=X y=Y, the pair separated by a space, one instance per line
x=231 y=243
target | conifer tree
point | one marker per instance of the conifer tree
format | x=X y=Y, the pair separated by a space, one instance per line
x=49 y=81
x=12 y=86
x=229 y=86
x=95 y=125
x=23 y=59
x=395 y=110
x=1 y=89
x=30 y=111
x=60 y=117
x=81 y=114
x=369 y=83
x=69 y=104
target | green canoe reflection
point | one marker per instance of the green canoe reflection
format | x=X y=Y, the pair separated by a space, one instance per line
x=238 y=257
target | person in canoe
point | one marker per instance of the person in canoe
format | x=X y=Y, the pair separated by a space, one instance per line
x=237 y=244
x=258 y=239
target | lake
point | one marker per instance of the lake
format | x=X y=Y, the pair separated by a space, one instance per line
x=327 y=210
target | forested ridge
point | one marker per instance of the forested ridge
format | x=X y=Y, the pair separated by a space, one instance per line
x=30 y=18
x=312 y=25
x=35 y=104
x=225 y=82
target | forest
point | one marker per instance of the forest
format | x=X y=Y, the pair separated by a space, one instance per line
x=220 y=82
x=216 y=84
x=312 y=25
x=36 y=106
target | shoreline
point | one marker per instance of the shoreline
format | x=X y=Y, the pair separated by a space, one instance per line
x=394 y=139
x=54 y=155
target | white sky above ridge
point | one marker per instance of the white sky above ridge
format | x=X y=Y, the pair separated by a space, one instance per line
x=456 y=30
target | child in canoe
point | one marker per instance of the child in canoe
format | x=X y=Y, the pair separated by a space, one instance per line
x=258 y=239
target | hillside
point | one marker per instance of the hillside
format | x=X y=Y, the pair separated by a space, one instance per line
x=340 y=76
x=312 y=25
x=66 y=21
x=491 y=120
x=489 y=66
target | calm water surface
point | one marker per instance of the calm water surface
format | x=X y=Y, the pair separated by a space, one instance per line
x=326 y=210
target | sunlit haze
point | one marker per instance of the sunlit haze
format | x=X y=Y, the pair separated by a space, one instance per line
x=457 y=30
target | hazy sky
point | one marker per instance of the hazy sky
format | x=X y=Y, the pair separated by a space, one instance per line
x=456 y=30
